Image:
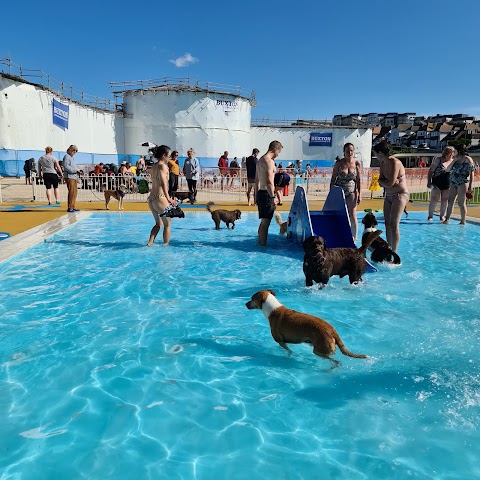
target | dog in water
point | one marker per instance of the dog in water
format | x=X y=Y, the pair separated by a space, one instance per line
x=283 y=225
x=320 y=263
x=117 y=194
x=379 y=248
x=182 y=196
x=227 y=216
x=290 y=326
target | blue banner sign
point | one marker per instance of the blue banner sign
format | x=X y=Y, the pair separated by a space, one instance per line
x=320 y=140
x=60 y=114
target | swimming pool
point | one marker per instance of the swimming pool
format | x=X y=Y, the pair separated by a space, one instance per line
x=122 y=361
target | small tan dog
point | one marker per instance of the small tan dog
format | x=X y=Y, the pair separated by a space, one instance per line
x=283 y=225
x=117 y=194
x=290 y=326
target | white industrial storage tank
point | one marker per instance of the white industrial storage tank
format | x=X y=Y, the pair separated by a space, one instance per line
x=209 y=118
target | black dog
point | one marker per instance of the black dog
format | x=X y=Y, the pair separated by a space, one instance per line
x=227 y=216
x=320 y=263
x=182 y=196
x=381 y=251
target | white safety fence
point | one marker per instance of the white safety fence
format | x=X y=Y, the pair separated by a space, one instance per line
x=211 y=186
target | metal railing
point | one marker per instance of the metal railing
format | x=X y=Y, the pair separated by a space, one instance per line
x=61 y=89
x=269 y=122
x=177 y=84
x=214 y=186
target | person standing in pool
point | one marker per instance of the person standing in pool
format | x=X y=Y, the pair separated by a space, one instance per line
x=159 y=198
x=265 y=189
x=393 y=179
x=460 y=175
x=347 y=174
x=440 y=168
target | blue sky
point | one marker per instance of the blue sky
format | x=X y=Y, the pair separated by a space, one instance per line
x=303 y=59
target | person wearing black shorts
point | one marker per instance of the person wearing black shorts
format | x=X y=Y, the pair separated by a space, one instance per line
x=265 y=189
x=266 y=204
x=49 y=169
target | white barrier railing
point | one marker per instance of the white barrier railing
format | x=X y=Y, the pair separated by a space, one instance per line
x=211 y=187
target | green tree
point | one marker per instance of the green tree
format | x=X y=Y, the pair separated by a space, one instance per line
x=461 y=141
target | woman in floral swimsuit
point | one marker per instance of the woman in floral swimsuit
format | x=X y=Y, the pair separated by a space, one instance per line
x=460 y=175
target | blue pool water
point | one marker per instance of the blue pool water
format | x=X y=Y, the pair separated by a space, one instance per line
x=122 y=361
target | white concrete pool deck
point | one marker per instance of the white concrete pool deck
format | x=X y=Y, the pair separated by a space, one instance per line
x=23 y=241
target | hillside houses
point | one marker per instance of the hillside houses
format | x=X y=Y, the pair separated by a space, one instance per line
x=409 y=130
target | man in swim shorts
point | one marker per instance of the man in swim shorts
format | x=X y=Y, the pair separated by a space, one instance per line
x=265 y=189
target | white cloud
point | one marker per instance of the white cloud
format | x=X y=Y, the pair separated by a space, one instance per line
x=184 y=61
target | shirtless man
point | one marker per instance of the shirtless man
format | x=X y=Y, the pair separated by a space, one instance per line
x=159 y=198
x=265 y=189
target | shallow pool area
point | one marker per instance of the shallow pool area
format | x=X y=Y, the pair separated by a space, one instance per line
x=123 y=361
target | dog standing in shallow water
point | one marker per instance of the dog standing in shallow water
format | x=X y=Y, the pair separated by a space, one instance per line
x=290 y=326
x=117 y=194
x=227 y=216
x=320 y=263
x=381 y=251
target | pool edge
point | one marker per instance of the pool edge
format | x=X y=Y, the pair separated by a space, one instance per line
x=23 y=241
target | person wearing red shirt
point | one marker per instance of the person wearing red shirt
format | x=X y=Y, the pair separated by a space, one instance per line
x=222 y=165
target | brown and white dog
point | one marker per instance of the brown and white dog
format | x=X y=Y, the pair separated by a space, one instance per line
x=283 y=225
x=227 y=216
x=320 y=263
x=117 y=194
x=381 y=251
x=290 y=326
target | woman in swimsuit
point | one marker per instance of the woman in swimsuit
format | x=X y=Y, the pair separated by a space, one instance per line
x=346 y=174
x=392 y=178
x=440 y=166
x=159 y=198
x=460 y=175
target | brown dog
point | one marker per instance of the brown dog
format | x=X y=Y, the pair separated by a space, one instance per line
x=320 y=263
x=226 y=216
x=290 y=326
x=182 y=196
x=117 y=194
x=283 y=225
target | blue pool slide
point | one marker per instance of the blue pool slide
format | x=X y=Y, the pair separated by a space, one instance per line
x=332 y=223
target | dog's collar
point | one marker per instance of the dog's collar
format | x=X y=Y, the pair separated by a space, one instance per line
x=370 y=229
x=270 y=305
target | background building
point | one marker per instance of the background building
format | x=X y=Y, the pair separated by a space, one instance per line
x=208 y=117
